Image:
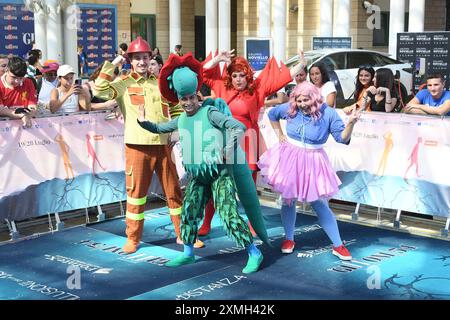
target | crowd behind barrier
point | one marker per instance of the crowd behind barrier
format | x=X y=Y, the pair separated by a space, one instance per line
x=72 y=161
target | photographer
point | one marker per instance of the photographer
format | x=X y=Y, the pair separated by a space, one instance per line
x=69 y=96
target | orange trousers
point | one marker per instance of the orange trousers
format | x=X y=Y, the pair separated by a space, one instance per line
x=141 y=161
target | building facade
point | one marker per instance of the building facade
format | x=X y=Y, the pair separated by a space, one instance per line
x=202 y=26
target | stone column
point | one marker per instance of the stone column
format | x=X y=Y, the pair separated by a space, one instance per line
x=279 y=29
x=342 y=23
x=264 y=21
x=54 y=31
x=174 y=23
x=417 y=16
x=224 y=24
x=326 y=18
x=70 y=32
x=40 y=25
x=396 y=24
x=211 y=25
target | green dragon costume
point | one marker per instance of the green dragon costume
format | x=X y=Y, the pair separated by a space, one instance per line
x=212 y=166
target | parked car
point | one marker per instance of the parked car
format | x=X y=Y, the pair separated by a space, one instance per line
x=343 y=65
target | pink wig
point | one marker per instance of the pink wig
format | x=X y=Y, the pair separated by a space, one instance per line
x=306 y=89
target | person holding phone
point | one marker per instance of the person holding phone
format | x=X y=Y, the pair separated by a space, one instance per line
x=17 y=93
x=69 y=96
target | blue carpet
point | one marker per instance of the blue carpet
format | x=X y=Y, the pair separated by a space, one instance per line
x=386 y=265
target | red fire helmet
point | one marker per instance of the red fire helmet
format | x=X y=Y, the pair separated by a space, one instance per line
x=139 y=45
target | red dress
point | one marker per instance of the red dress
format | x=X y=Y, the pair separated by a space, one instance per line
x=244 y=106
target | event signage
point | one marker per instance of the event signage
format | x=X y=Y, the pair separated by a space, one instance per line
x=16 y=28
x=393 y=161
x=76 y=161
x=97 y=33
x=61 y=164
x=426 y=52
x=257 y=52
x=331 y=43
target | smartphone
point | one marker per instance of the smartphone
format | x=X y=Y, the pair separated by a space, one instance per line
x=21 y=110
x=78 y=82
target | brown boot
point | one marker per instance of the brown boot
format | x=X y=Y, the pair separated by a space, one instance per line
x=176 y=220
x=134 y=235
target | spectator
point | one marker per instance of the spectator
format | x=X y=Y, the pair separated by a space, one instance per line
x=123 y=47
x=69 y=96
x=318 y=75
x=17 y=93
x=124 y=67
x=35 y=55
x=433 y=100
x=144 y=151
x=364 y=80
x=83 y=64
x=156 y=52
x=99 y=103
x=382 y=96
x=32 y=69
x=178 y=50
x=49 y=82
x=3 y=64
x=155 y=66
x=282 y=96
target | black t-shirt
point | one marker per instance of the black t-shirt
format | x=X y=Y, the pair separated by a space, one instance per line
x=381 y=105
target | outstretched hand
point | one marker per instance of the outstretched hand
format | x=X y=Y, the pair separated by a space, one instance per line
x=118 y=60
x=141 y=113
x=354 y=116
x=301 y=58
x=226 y=56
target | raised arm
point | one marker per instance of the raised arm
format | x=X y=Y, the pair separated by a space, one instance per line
x=223 y=56
x=347 y=133
x=103 y=87
x=300 y=65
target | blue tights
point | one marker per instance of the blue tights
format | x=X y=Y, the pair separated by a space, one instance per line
x=327 y=220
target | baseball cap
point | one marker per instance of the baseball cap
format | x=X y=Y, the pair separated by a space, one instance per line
x=50 y=65
x=64 y=70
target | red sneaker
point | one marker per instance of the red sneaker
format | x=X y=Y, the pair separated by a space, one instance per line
x=251 y=229
x=287 y=246
x=342 y=253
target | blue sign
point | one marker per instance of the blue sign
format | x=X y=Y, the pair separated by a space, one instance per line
x=257 y=52
x=16 y=28
x=97 y=33
x=332 y=43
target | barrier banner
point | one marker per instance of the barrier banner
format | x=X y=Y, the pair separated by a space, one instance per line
x=60 y=164
x=394 y=161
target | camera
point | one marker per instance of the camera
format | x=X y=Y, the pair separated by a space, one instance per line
x=78 y=82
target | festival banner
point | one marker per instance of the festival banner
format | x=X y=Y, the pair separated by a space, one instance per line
x=62 y=163
x=17 y=28
x=394 y=161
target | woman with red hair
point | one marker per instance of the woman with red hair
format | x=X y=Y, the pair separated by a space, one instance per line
x=245 y=96
x=298 y=168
